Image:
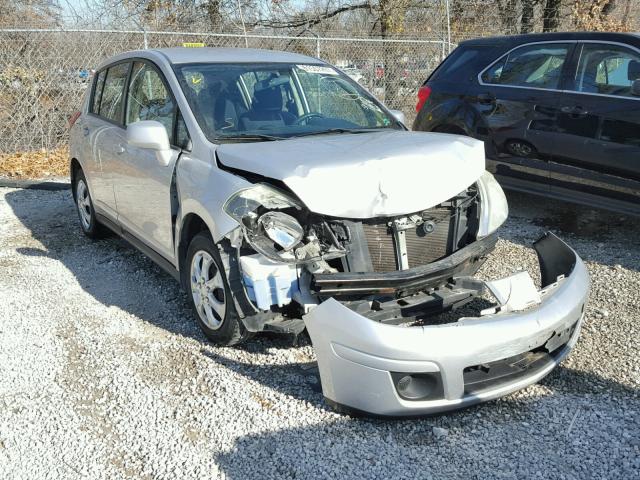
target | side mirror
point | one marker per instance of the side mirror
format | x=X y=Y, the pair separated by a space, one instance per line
x=635 y=88
x=151 y=135
x=398 y=115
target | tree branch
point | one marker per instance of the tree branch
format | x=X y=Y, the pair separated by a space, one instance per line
x=313 y=21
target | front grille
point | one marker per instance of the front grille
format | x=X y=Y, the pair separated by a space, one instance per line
x=422 y=248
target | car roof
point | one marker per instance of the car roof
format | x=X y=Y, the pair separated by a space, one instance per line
x=178 y=55
x=631 y=38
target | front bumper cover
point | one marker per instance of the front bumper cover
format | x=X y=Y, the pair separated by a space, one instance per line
x=359 y=359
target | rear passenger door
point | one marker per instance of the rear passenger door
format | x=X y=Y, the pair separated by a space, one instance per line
x=105 y=130
x=601 y=110
x=518 y=96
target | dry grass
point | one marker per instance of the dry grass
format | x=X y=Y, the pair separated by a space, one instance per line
x=35 y=164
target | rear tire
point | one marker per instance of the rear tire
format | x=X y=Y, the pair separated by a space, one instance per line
x=209 y=293
x=521 y=148
x=84 y=205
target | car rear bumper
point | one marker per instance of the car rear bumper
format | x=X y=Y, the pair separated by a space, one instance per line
x=362 y=362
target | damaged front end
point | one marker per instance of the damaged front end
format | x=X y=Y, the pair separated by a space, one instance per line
x=372 y=291
x=289 y=259
x=386 y=369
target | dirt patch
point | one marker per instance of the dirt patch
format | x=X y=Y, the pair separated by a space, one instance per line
x=35 y=164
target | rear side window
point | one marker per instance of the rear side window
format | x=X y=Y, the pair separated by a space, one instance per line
x=607 y=69
x=463 y=63
x=112 y=100
x=97 y=92
x=535 y=66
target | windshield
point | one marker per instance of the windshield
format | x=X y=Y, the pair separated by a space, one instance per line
x=274 y=101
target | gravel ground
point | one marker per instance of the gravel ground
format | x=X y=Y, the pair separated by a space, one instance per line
x=103 y=373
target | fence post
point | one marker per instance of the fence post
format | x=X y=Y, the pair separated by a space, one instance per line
x=144 y=33
x=448 y=26
x=244 y=27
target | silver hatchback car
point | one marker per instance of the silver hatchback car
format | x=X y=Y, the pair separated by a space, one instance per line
x=282 y=195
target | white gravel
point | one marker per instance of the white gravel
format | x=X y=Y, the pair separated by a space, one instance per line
x=103 y=373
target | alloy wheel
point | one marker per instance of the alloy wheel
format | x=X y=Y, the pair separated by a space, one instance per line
x=207 y=289
x=83 y=202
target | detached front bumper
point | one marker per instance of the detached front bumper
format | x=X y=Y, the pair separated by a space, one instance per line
x=393 y=370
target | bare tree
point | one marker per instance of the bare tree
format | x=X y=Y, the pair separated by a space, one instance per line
x=551 y=15
x=526 y=19
x=34 y=13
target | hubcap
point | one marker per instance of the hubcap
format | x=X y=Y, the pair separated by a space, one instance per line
x=207 y=290
x=522 y=149
x=84 y=204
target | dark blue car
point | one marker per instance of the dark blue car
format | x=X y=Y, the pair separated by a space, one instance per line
x=559 y=113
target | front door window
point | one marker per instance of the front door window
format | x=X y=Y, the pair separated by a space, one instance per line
x=149 y=98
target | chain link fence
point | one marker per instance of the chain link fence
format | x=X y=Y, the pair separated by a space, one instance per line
x=44 y=73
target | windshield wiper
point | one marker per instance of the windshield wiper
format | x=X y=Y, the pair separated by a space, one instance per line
x=338 y=130
x=251 y=137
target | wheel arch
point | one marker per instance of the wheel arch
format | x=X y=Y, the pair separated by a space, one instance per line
x=192 y=223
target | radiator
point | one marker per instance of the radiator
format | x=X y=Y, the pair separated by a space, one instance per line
x=422 y=248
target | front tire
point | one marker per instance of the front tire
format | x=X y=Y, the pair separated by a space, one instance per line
x=87 y=215
x=209 y=294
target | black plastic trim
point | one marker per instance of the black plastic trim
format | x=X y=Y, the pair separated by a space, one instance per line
x=555 y=257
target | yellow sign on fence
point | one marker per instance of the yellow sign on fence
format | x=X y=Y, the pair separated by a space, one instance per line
x=193 y=44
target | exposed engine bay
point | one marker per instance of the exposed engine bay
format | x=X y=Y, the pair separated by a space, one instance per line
x=395 y=270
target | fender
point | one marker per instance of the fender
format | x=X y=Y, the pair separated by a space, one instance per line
x=452 y=116
x=458 y=117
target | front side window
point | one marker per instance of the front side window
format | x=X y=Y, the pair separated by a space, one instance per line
x=112 y=100
x=607 y=69
x=182 y=134
x=533 y=66
x=279 y=100
x=149 y=98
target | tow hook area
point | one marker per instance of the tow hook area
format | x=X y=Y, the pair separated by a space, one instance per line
x=387 y=369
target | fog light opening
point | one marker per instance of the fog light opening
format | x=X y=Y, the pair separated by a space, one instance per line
x=418 y=386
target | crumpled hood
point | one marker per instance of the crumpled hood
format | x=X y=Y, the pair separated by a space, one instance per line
x=365 y=175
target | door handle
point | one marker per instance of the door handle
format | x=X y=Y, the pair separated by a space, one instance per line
x=120 y=149
x=486 y=98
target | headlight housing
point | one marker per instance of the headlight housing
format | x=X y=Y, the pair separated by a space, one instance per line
x=494 y=209
x=283 y=229
x=246 y=202
x=269 y=231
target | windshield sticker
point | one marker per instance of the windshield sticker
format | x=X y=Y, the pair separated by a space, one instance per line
x=317 y=69
x=195 y=79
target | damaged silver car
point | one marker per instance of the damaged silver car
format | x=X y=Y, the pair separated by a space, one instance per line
x=282 y=195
